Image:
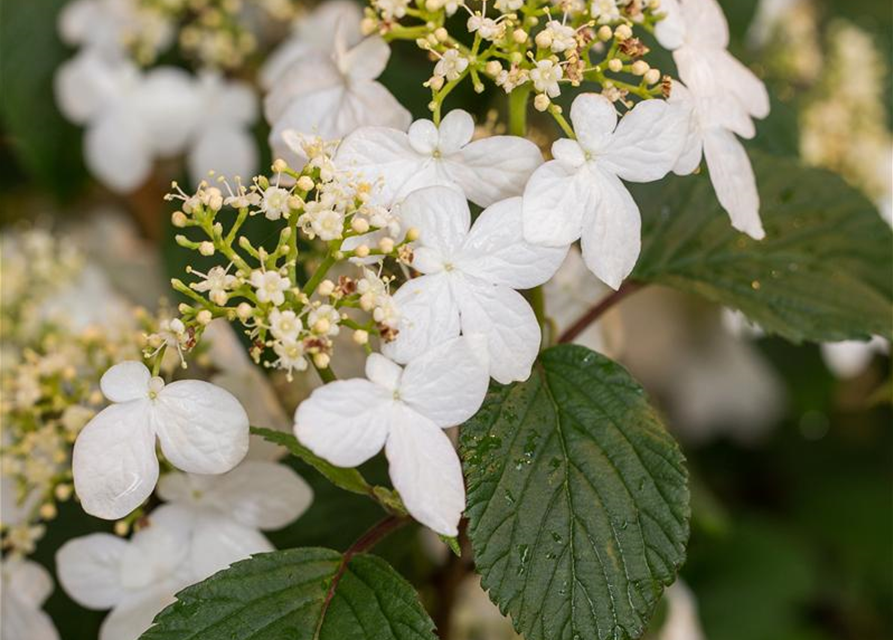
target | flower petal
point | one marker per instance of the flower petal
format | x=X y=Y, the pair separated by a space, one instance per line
x=28 y=580
x=706 y=24
x=202 y=428
x=670 y=32
x=383 y=372
x=168 y=102
x=134 y=616
x=447 y=384
x=733 y=180
x=611 y=238
x=441 y=216
x=89 y=569
x=648 y=141
x=455 y=131
x=495 y=250
x=507 y=321
x=554 y=203
x=345 y=421
x=594 y=118
x=227 y=150
x=492 y=169
x=126 y=381
x=367 y=60
x=113 y=461
x=743 y=83
x=428 y=315
x=425 y=469
x=117 y=150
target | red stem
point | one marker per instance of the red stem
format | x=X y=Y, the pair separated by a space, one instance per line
x=627 y=288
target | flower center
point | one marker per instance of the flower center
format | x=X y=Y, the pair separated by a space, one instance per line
x=156 y=384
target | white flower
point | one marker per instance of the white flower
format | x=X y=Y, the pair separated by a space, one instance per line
x=391 y=9
x=487 y=170
x=605 y=11
x=221 y=516
x=136 y=578
x=330 y=96
x=545 y=77
x=291 y=355
x=682 y=622
x=109 y=26
x=24 y=587
x=274 y=203
x=131 y=118
x=507 y=6
x=328 y=224
x=269 y=286
x=216 y=282
x=470 y=274
x=223 y=141
x=201 y=428
x=563 y=37
x=723 y=95
x=451 y=65
x=404 y=410
x=324 y=320
x=488 y=28
x=314 y=34
x=285 y=325
x=580 y=193
x=850 y=358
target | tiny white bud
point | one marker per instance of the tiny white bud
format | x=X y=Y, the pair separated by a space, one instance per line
x=362 y=251
x=368 y=26
x=623 y=32
x=305 y=183
x=436 y=83
x=326 y=287
x=386 y=245
x=605 y=33
x=321 y=360
x=206 y=248
x=244 y=311
x=541 y=102
x=360 y=225
x=615 y=65
x=367 y=301
x=280 y=165
x=653 y=76
x=543 y=39
x=178 y=219
x=322 y=326
x=204 y=316
x=360 y=336
x=519 y=36
x=441 y=34
x=493 y=67
x=640 y=68
x=412 y=234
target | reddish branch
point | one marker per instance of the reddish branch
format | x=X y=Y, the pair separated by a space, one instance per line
x=595 y=312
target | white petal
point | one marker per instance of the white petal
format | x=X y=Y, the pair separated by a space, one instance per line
x=134 y=616
x=507 y=321
x=492 y=169
x=227 y=150
x=383 y=372
x=30 y=581
x=89 y=569
x=705 y=23
x=423 y=136
x=611 y=238
x=87 y=83
x=744 y=84
x=367 y=60
x=113 y=461
x=448 y=383
x=554 y=202
x=456 y=130
x=21 y=619
x=670 y=32
x=594 y=118
x=126 y=381
x=733 y=179
x=262 y=495
x=117 y=150
x=169 y=104
x=345 y=422
x=316 y=73
x=425 y=469
x=382 y=155
x=202 y=428
x=496 y=251
x=648 y=141
x=441 y=216
x=428 y=315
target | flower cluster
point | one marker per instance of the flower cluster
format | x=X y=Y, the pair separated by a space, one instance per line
x=291 y=324
x=61 y=326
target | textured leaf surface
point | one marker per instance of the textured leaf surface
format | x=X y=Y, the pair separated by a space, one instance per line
x=823 y=273
x=282 y=596
x=577 y=499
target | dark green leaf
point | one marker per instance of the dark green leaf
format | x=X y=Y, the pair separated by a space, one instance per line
x=823 y=273
x=299 y=594
x=347 y=479
x=577 y=499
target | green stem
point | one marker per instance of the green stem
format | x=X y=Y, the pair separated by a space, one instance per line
x=320 y=273
x=518 y=110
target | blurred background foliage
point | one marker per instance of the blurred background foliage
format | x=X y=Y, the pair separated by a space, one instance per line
x=792 y=533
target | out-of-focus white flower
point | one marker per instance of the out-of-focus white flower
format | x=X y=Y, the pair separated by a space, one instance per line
x=580 y=193
x=313 y=34
x=135 y=578
x=331 y=96
x=470 y=274
x=221 y=516
x=110 y=27
x=201 y=429
x=849 y=358
x=605 y=11
x=682 y=622
x=486 y=170
x=24 y=587
x=222 y=141
x=404 y=410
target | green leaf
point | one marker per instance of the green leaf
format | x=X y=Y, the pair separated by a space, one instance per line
x=821 y=274
x=577 y=499
x=299 y=594
x=347 y=479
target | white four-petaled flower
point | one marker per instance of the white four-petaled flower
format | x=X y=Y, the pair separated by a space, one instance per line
x=580 y=194
x=470 y=274
x=487 y=170
x=24 y=587
x=405 y=411
x=201 y=428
